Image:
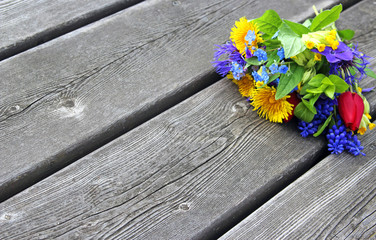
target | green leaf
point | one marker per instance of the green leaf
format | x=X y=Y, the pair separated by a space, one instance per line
x=303 y=113
x=268 y=23
x=316 y=90
x=309 y=106
x=323 y=126
x=274 y=77
x=291 y=42
x=325 y=18
x=307 y=96
x=316 y=80
x=340 y=84
x=254 y=62
x=313 y=99
x=289 y=80
x=326 y=81
x=329 y=91
x=297 y=28
x=308 y=74
x=272 y=44
x=272 y=57
x=352 y=70
x=370 y=73
x=307 y=23
x=346 y=34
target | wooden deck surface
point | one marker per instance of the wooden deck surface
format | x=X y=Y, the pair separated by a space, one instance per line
x=121 y=130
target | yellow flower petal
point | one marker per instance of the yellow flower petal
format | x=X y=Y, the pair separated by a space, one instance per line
x=239 y=32
x=246 y=85
x=362 y=130
x=310 y=44
x=317 y=57
x=321 y=47
x=267 y=107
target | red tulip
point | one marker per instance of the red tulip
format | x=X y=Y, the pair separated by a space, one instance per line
x=294 y=100
x=351 y=109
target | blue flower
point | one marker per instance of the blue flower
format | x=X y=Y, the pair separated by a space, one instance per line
x=237 y=70
x=273 y=68
x=283 y=69
x=353 y=145
x=261 y=55
x=308 y=128
x=264 y=77
x=337 y=138
x=281 y=53
x=251 y=36
x=324 y=108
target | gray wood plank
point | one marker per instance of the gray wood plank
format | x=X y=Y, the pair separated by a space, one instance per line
x=66 y=98
x=334 y=200
x=27 y=23
x=187 y=173
x=176 y=176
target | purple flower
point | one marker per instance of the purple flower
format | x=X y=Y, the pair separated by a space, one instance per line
x=342 y=53
x=346 y=62
x=228 y=50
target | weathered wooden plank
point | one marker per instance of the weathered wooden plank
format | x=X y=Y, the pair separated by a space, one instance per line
x=66 y=98
x=188 y=173
x=334 y=200
x=27 y=23
x=171 y=178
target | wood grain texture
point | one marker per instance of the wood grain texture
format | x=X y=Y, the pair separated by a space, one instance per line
x=334 y=200
x=171 y=178
x=27 y=23
x=66 y=98
x=337 y=198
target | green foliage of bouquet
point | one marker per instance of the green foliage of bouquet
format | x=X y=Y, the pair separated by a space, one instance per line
x=308 y=70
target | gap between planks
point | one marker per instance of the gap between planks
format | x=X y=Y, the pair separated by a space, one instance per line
x=64 y=28
x=118 y=129
x=192 y=79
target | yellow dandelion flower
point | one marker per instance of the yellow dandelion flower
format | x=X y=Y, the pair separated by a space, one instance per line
x=310 y=44
x=240 y=31
x=264 y=102
x=246 y=85
x=321 y=47
x=317 y=57
x=259 y=84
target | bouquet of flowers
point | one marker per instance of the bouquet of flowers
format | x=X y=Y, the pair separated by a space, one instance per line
x=310 y=71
